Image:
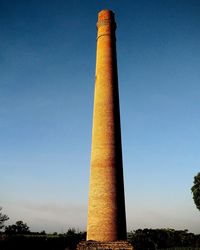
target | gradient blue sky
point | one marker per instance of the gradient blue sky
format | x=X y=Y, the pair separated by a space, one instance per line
x=47 y=69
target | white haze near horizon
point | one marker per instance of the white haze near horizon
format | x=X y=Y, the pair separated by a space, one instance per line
x=60 y=217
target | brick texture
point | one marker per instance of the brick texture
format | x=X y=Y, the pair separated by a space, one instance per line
x=116 y=245
x=106 y=209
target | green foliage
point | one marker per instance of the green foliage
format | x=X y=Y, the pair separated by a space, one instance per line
x=18 y=228
x=3 y=218
x=146 y=239
x=36 y=240
x=196 y=190
x=73 y=237
x=152 y=239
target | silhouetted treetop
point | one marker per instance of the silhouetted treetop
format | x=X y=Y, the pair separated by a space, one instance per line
x=3 y=218
x=196 y=190
x=18 y=228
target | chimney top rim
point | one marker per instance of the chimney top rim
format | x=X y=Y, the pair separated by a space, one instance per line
x=106 y=14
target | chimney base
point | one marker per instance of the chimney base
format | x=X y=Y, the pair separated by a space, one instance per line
x=111 y=245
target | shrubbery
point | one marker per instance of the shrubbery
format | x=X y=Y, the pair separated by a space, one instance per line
x=162 y=238
x=150 y=239
x=33 y=241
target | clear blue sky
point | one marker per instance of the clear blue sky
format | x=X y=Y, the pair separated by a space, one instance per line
x=47 y=69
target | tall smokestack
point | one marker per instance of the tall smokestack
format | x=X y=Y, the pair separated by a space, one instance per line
x=106 y=210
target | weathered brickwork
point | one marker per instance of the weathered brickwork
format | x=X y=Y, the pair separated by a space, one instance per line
x=106 y=209
x=116 y=245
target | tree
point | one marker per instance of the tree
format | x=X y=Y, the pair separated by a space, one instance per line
x=3 y=218
x=152 y=239
x=73 y=237
x=196 y=190
x=18 y=228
